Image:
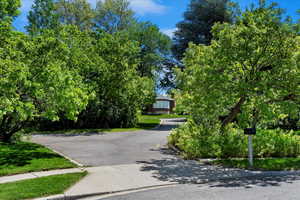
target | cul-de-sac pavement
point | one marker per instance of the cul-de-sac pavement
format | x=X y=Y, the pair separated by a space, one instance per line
x=138 y=165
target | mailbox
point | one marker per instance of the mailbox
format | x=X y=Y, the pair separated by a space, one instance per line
x=250 y=131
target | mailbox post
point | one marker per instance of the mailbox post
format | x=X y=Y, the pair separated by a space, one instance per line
x=250 y=132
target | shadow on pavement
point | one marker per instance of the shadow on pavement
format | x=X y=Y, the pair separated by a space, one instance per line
x=183 y=171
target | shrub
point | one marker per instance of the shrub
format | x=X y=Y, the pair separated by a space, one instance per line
x=197 y=141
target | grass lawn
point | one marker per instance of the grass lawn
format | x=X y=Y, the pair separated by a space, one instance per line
x=25 y=157
x=269 y=164
x=39 y=187
x=145 y=122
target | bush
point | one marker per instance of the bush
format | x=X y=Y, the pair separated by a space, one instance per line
x=197 y=141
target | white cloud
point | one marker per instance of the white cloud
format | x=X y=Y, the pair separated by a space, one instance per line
x=169 y=32
x=143 y=7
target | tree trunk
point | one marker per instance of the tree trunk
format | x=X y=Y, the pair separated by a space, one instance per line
x=234 y=112
x=8 y=127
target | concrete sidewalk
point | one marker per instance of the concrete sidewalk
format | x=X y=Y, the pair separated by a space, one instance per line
x=20 y=177
x=116 y=179
x=110 y=179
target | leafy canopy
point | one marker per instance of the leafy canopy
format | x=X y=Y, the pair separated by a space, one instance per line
x=35 y=82
x=249 y=73
x=113 y=15
x=9 y=9
x=154 y=47
x=75 y=12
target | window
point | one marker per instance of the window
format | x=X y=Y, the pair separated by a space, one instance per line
x=162 y=104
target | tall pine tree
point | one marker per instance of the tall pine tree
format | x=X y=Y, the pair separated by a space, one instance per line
x=199 y=18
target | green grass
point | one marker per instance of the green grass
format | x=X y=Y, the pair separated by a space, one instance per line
x=145 y=122
x=25 y=157
x=39 y=187
x=266 y=164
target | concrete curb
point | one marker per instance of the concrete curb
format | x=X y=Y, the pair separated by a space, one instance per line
x=73 y=197
x=66 y=157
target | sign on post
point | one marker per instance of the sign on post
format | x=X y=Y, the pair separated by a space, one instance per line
x=250 y=132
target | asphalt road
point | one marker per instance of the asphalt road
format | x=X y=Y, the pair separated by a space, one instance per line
x=113 y=148
x=194 y=181
x=278 y=191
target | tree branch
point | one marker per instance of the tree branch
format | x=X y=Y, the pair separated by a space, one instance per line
x=233 y=113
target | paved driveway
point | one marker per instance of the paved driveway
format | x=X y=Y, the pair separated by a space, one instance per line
x=132 y=161
x=113 y=148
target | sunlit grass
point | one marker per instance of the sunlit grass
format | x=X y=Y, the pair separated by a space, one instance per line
x=25 y=157
x=39 y=187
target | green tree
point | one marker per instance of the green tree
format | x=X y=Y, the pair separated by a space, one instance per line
x=9 y=9
x=108 y=64
x=155 y=47
x=75 y=12
x=42 y=16
x=50 y=14
x=120 y=91
x=198 y=21
x=113 y=15
x=249 y=73
x=35 y=82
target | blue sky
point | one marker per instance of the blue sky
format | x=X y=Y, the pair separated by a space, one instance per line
x=164 y=13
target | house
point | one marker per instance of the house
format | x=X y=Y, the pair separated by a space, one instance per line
x=163 y=105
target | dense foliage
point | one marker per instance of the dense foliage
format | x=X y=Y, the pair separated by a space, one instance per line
x=113 y=15
x=154 y=47
x=75 y=76
x=197 y=141
x=109 y=16
x=35 y=82
x=9 y=9
x=117 y=56
x=249 y=74
x=248 y=77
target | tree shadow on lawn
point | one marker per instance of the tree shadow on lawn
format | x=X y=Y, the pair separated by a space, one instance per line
x=181 y=171
x=21 y=154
